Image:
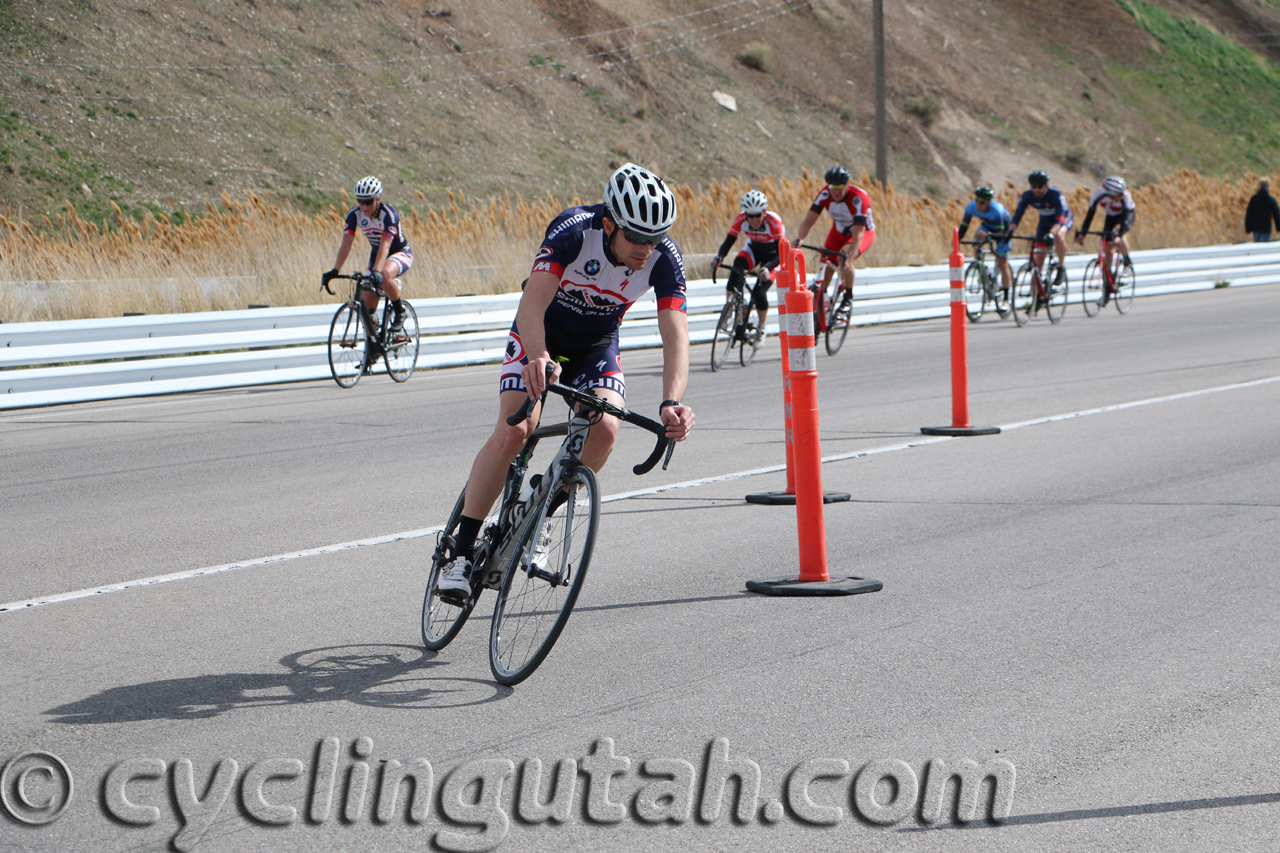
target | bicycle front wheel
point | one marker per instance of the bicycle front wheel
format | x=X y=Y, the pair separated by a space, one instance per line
x=838 y=323
x=1024 y=293
x=1058 y=292
x=1091 y=288
x=402 y=352
x=1126 y=287
x=975 y=292
x=443 y=618
x=723 y=340
x=545 y=576
x=346 y=345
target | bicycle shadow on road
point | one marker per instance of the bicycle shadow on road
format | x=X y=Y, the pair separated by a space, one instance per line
x=377 y=676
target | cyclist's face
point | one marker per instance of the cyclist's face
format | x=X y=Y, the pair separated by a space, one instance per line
x=984 y=204
x=756 y=219
x=633 y=255
x=838 y=191
x=1039 y=192
x=368 y=205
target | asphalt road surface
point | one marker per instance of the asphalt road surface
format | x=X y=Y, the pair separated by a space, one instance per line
x=1083 y=607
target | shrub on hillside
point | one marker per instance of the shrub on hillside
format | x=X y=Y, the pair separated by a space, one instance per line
x=757 y=55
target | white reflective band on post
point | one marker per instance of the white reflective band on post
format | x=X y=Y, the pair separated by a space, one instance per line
x=957 y=294
x=800 y=324
x=957 y=284
x=802 y=358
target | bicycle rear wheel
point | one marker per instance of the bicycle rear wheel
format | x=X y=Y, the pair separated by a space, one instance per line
x=543 y=581
x=402 y=352
x=1126 y=287
x=1057 y=292
x=975 y=292
x=443 y=618
x=722 y=342
x=346 y=345
x=1024 y=293
x=838 y=323
x=1091 y=288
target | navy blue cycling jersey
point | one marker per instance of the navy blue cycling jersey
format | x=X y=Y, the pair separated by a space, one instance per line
x=595 y=288
x=995 y=220
x=384 y=221
x=1052 y=206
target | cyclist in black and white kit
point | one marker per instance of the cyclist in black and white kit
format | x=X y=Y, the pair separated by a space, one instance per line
x=389 y=255
x=595 y=262
x=1117 y=203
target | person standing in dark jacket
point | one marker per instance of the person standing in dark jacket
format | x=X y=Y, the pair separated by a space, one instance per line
x=1261 y=212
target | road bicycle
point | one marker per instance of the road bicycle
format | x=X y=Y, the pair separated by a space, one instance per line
x=736 y=326
x=358 y=338
x=982 y=285
x=831 y=317
x=535 y=547
x=1104 y=282
x=1033 y=290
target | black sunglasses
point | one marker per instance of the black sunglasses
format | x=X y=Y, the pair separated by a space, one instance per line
x=639 y=239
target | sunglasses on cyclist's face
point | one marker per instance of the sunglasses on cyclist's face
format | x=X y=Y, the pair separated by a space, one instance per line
x=637 y=239
x=837 y=188
x=365 y=202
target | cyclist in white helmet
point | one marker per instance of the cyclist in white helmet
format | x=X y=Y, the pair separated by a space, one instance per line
x=390 y=255
x=763 y=229
x=595 y=262
x=1117 y=203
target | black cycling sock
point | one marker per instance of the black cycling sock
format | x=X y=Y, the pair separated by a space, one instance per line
x=398 y=306
x=465 y=538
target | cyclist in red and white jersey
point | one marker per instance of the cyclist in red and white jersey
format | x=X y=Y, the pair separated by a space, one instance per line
x=390 y=255
x=852 y=223
x=1116 y=202
x=763 y=229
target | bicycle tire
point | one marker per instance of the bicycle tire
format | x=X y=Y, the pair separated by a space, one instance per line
x=722 y=342
x=1126 y=288
x=535 y=601
x=401 y=355
x=1023 y=296
x=975 y=292
x=1091 y=288
x=999 y=296
x=1058 y=293
x=819 y=308
x=747 y=349
x=838 y=324
x=443 y=618
x=347 y=346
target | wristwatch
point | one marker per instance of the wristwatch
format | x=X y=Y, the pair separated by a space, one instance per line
x=666 y=403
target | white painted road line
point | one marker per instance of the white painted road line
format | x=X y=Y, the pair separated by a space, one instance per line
x=687 y=484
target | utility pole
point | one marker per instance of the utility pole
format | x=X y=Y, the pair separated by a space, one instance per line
x=882 y=156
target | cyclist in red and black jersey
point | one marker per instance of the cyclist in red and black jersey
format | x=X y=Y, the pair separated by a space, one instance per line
x=595 y=262
x=389 y=256
x=852 y=223
x=763 y=229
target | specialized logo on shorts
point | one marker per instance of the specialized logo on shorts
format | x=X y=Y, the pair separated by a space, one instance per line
x=593 y=267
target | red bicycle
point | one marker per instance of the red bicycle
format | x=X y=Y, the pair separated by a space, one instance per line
x=1105 y=282
x=830 y=318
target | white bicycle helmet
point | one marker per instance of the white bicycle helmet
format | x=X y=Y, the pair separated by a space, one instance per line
x=369 y=187
x=640 y=202
x=754 y=202
x=1114 y=185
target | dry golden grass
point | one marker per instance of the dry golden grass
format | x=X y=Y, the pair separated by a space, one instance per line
x=262 y=253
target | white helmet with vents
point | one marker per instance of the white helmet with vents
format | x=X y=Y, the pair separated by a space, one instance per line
x=1114 y=185
x=369 y=187
x=640 y=202
x=754 y=202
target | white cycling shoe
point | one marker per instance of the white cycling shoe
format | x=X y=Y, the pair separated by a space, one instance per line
x=456 y=579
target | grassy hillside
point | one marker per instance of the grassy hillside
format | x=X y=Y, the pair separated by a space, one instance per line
x=161 y=107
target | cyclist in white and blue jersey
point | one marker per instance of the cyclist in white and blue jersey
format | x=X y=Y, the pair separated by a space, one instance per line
x=996 y=224
x=389 y=253
x=1055 y=218
x=595 y=262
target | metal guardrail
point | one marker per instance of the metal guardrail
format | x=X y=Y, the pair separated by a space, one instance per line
x=82 y=360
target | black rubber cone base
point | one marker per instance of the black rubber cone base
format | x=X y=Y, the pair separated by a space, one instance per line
x=960 y=430
x=784 y=499
x=796 y=587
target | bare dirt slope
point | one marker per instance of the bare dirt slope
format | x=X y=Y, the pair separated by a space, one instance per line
x=164 y=104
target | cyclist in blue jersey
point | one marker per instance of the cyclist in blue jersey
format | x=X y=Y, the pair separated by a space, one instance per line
x=1055 y=218
x=389 y=256
x=595 y=262
x=995 y=223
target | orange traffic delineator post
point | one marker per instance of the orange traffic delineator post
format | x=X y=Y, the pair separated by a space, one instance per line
x=959 y=354
x=791 y=276
x=802 y=362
